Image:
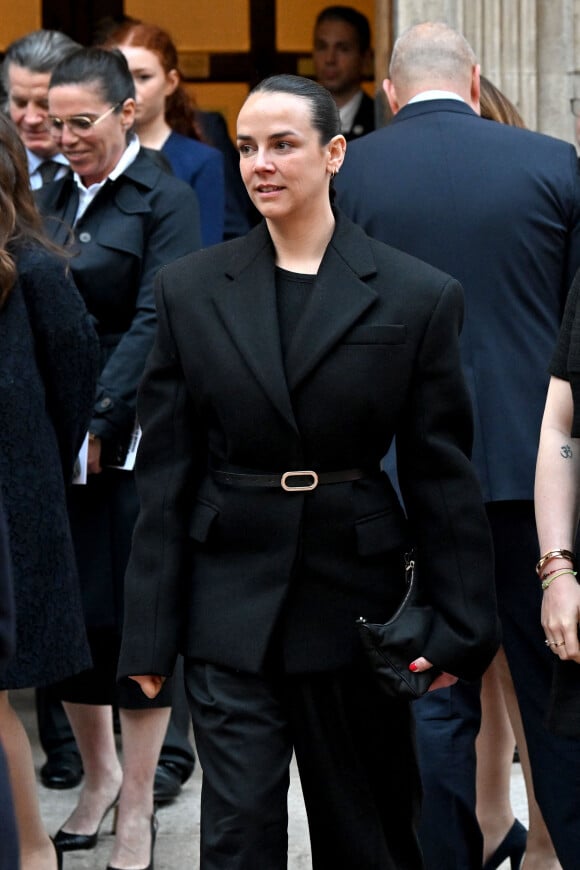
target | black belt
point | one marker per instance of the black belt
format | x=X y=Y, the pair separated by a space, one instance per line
x=291 y=481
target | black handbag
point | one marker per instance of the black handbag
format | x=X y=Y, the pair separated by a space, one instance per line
x=391 y=647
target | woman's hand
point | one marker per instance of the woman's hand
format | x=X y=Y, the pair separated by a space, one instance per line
x=440 y=682
x=94 y=456
x=561 y=616
x=151 y=684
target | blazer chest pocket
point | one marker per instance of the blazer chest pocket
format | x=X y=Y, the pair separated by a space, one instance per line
x=395 y=333
x=380 y=533
x=201 y=521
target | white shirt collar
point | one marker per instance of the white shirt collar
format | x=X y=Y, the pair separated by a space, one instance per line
x=87 y=194
x=34 y=161
x=435 y=94
x=348 y=112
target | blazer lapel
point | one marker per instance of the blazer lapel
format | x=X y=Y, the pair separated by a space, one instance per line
x=339 y=297
x=249 y=312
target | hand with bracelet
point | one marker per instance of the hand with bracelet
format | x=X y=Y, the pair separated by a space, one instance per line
x=561 y=608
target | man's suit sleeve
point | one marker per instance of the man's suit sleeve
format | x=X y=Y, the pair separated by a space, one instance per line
x=443 y=500
x=170 y=456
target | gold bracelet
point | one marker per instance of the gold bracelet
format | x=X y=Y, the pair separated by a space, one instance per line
x=554 y=554
x=552 y=577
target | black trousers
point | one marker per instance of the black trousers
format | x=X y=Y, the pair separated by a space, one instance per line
x=356 y=758
x=447 y=724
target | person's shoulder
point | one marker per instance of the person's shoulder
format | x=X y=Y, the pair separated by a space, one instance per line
x=221 y=259
x=34 y=260
x=186 y=148
x=400 y=268
x=146 y=174
x=391 y=260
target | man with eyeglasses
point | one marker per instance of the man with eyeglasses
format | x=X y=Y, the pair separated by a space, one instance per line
x=26 y=71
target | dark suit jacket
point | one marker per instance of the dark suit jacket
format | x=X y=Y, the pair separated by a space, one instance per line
x=144 y=219
x=218 y=571
x=364 y=120
x=499 y=209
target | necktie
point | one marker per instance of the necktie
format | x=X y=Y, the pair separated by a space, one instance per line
x=48 y=170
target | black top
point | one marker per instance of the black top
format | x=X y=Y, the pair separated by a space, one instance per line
x=292 y=291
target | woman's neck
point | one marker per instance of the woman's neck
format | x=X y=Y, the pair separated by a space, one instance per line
x=300 y=245
x=155 y=134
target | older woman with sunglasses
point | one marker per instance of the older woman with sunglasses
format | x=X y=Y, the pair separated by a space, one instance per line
x=124 y=218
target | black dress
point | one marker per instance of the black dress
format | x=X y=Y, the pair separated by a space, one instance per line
x=48 y=367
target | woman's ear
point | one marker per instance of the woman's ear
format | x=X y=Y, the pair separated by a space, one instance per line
x=336 y=152
x=128 y=113
x=172 y=80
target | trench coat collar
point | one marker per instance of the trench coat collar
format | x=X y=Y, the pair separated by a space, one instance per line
x=339 y=297
x=59 y=200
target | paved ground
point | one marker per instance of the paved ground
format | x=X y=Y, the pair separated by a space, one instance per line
x=178 y=835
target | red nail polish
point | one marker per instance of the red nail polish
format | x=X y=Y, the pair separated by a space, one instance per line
x=413 y=666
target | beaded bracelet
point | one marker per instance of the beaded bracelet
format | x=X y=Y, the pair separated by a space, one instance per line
x=555 y=574
x=554 y=554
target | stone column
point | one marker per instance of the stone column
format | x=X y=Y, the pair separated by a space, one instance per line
x=530 y=49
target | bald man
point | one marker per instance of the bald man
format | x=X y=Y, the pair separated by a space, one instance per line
x=499 y=208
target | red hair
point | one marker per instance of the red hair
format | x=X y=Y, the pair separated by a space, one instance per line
x=180 y=109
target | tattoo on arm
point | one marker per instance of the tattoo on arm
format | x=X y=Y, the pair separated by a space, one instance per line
x=566 y=451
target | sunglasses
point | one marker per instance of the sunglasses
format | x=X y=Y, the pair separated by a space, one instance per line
x=79 y=125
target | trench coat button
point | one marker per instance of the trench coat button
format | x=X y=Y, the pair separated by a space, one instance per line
x=105 y=403
x=84 y=237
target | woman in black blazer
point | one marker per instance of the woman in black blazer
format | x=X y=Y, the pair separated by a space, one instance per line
x=128 y=218
x=284 y=365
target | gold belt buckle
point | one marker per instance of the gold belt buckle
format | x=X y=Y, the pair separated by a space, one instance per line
x=308 y=488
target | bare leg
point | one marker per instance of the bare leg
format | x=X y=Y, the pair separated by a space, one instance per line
x=540 y=854
x=143 y=732
x=36 y=849
x=93 y=729
x=495 y=746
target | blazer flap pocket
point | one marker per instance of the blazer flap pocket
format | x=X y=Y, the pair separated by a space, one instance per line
x=380 y=533
x=201 y=520
x=392 y=333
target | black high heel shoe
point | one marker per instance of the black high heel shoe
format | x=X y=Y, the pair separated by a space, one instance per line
x=65 y=841
x=512 y=846
x=153 y=835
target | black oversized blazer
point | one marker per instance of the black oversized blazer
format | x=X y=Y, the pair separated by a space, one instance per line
x=222 y=572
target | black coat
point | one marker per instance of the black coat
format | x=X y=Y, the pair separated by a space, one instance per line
x=48 y=368
x=135 y=225
x=217 y=571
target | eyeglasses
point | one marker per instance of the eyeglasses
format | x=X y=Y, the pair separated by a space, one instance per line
x=575 y=106
x=79 y=125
